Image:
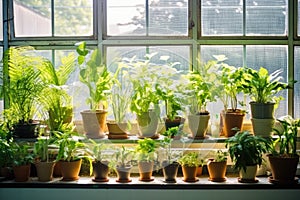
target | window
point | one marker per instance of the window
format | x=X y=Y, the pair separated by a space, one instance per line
x=249 y=33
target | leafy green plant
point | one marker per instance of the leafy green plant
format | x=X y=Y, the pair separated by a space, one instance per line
x=122 y=157
x=25 y=85
x=98 y=151
x=262 y=86
x=220 y=156
x=145 y=149
x=286 y=143
x=70 y=147
x=246 y=149
x=56 y=101
x=166 y=143
x=41 y=149
x=22 y=155
x=191 y=159
x=6 y=152
x=94 y=74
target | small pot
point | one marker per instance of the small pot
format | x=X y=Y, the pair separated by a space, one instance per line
x=189 y=174
x=123 y=173
x=22 y=173
x=170 y=171
x=101 y=171
x=145 y=170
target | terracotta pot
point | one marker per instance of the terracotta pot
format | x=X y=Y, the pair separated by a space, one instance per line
x=283 y=169
x=217 y=170
x=123 y=173
x=249 y=175
x=145 y=170
x=147 y=124
x=45 y=171
x=94 y=123
x=189 y=174
x=100 y=170
x=57 y=169
x=170 y=172
x=70 y=170
x=22 y=173
x=117 y=130
x=232 y=120
x=198 y=125
x=199 y=170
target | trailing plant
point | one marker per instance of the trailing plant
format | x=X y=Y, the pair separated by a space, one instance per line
x=246 y=149
x=286 y=143
x=95 y=75
x=145 y=149
x=262 y=86
x=191 y=159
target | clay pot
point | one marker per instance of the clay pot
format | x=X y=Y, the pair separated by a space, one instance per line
x=123 y=173
x=22 y=173
x=189 y=174
x=170 y=171
x=100 y=170
x=145 y=170
x=70 y=170
x=231 y=120
x=94 y=123
x=45 y=171
x=217 y=170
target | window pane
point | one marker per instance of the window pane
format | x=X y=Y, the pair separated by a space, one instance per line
x=222 y=17
x=163 y=17
x=126 y=17
x=298 y=17
x=168 y=17
x=271 y=58
x=297 y=85
x=32 y=18
x=73 y=18
x=265 y=17
x=1 y=21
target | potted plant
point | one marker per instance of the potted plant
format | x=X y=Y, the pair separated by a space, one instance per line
x=201 y=90
x=145 y=79
x=120 y=100
x=145 y=150
x=283 y=158
x=22 y=159
x=43 y=162
x=263 y=89
x=95 y=75
x=229 y=86
x=6 y=155
x=100 y=161
x=169 y=164
x=56 y=101
x=217 y=166
x=122 y=164
x=70 y=153
x=23 y=90
x=190 y=163
x=246 y=151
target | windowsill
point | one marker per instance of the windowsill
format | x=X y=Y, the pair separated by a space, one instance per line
x=158 y=183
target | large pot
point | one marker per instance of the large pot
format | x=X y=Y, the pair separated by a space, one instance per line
x=232 y=120
x=263 y=127
x=283 y=169
x=198 y=125
x=94 y=123
x=148 y=124
x=29 y=130
x=262 y=110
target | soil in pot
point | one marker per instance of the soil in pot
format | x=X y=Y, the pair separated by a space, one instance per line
x=170 y=171
x=217 y=170
x=100 y=170
x=145 y=170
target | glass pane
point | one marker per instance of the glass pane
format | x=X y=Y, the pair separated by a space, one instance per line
x=126 y=17
x=298 y=17
x=168 y=17
x=297 y=85
x=272 y=58
x=73 y=18
x=32 y=18
x=222 y=17
x=1 y=21
x=234 y=56
x=265 y=17
x=1 y=81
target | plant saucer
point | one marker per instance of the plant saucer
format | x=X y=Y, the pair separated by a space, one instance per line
x=124 y=180
x=283 y=182
x=241 y=180
x=100 y=180
x=146 y=180
x=217 y=179
x=191 y=180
